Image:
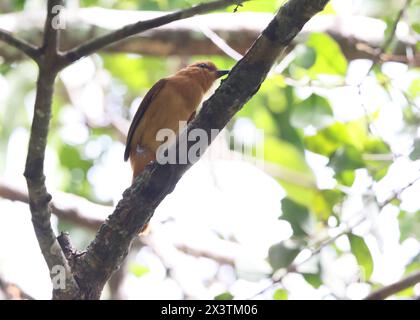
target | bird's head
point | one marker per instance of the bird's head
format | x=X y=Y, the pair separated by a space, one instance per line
x=204 y=72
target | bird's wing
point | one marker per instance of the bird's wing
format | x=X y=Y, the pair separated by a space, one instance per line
x=144 y=105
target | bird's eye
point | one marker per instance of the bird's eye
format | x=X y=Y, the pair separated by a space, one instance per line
x=203 y=65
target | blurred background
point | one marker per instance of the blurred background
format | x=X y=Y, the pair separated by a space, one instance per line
x=330 y=210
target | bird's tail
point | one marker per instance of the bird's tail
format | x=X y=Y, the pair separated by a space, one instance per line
x=139 y=161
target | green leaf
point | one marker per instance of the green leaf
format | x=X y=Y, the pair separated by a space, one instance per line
x=280 y=294
x=329 y=139
x=346 y=177
x=138 y=270
x=70 y=158
x=376 y=146
x=414 y=89
x=315 y=111
x=305 y=56
x=416 y=27
x=75 y=168
x=286 y=154
x=224 y=296
x=134 y=71
x=314 y=279
x=415 y=153
x=329 y=59
x=413 y=266
x=274 y=95
x=295 y=176
x=362 y=254
x=260 y=6
x=297 y=215
x=281 y=255
x=346 y=158
x=406 y=293
x=377 y=168
x=328 y=10
x=18 y=4
x=409 y=225
x=325 y=201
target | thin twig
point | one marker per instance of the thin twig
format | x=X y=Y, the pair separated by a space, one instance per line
x=239 y=30
x=74 y=209
x=81 y=212
x=394 y=27
x=325 y=243
x=376 y=59
x=220 y=43
x=214 y=255
x=315 y=252
x=398 y=193
x=19 y=44
x=106 y=252
x=96 y=44
x=387 y=43
x=394 y=288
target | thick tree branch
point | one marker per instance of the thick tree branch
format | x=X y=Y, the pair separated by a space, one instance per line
x=39 y=198
x=27 y=48
x=396 y=287
x=109 y=248
x=141 y=26
x=83 y=213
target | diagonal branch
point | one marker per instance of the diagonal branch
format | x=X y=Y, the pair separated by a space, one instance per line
x=27 y=48
x=141 y=26
x=396 y=287
x=39 y=198
x=324 y=243
x=83 y=213
x=388 y=41
x=394 y=26
x=71 y=208
x=109 y=248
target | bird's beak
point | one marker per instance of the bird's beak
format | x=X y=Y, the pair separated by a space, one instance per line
x=221 y=73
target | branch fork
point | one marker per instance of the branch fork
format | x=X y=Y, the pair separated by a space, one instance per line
x=86 y=273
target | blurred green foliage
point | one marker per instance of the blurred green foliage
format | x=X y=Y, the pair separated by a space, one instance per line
x=295 y=124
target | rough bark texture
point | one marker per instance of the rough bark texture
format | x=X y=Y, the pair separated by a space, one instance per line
x=111 y=244
x=86 y=273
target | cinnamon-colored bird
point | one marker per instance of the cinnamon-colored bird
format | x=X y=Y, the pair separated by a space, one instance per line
x=169 y=101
